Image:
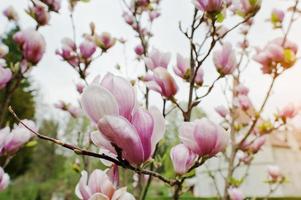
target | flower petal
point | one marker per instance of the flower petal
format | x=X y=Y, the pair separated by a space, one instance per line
x=120 y=132
x=159 y=127
x=97 y=102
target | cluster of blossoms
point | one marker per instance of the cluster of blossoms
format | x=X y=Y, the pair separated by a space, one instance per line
x=100 y=185
x=278 y=53
x=112 y=106
x=200 y=138
x=10 y=142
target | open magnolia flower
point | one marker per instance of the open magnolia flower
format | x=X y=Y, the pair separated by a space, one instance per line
x=12 y=141
x=112 y=106
x=99 y=187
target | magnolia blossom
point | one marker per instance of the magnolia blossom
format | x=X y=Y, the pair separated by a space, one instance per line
x=139 y=50
x=274 y=173
x=222 y=111
x=242 y=90
x=209 y=5
x=243 y=102
x=68 y=51
x=3 y=50
x=182 y=158
x=246 y=7
x=277 y=52
x=5 y=76
x=12 y=141
x=128 y=18
x=225 y=59
x=199 y=78
x=277 y=16
x=182 y=68
x=252 y=146
x=153 y=15
x=4 y=179
x=11 y=13
x=157 y=59
x=54 y=5
x=32 y=44
x=80 y=87
x=40 y=13
x=87 y=49
x=203 y=137
x=72 y=110
x=235 y=194
x=288 y=112
x=162 y=82
x=105 y=41
x=112 y=105
x=99 y=186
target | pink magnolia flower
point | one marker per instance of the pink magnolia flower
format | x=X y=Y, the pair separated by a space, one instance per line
x=235 y=194
x=277 y=16
x=242 y=90
x=87 y=49
x=11 y=14
x=3 y=50
x=222 y=111
x=5 y=76
x=99 y=186
x=162 y=82
x=182 y=158
x=32 y=44
x=68 y=52
x=4 y=179
x=12 y=141
x=225 y=59
x=112 y=106
x=105 y=41
x=157 y=59
x=54 y=5
x=274 y=173
x=243 y=102
x=288 y=112
x=153 y=15
x=209 y=5
x=128 y=18
x=139 y=50
x=203 y=137
x=39 y=12
x=276 y=52
x=246 y=7
x=80 y=87
x=182 y=68
x=73 y=111
x=199 y=78
x=257 y=144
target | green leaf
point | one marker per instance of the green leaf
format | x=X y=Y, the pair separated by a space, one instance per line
x=31 y=143
x=220 y=17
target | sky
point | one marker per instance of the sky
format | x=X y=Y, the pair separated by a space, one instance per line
x=56 y=79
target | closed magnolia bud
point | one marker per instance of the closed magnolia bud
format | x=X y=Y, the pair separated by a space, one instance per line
x=222 y=111
x=274 y=173
x=182 y=68
x=139 y=50
x=209 y=5
x=182 y=158
x=40 y=13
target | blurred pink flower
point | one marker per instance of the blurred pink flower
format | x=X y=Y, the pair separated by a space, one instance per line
x=235 y=194
x=277 y=16
x=225 y=59
x=11 y=14
x=105 y=41
x=222 y=111
x=288 y=112
x=32 y=44
x=5 y=76
x=203 y=137
x=39 y=12
x=182 y=158
x=54 y=5
x=209 y=5
x=87 y=49
x=182 y=68
x=99 y=186
x=3 y=50
x=157 y=59
x=274 y=172
x=199 y=78
x=163 y=83
x=139 y=50
x=153 y=15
